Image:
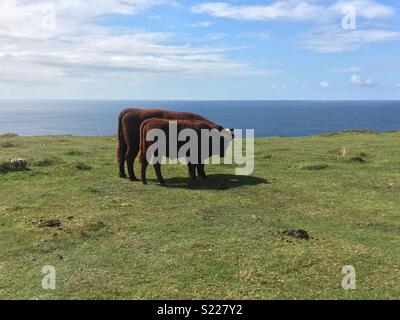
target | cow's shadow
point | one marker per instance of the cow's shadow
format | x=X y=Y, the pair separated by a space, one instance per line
x=215 y=182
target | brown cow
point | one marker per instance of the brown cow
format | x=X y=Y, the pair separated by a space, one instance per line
x=223 y=135
x=129 y=133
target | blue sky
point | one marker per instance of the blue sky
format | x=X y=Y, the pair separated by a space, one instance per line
x=166 y=49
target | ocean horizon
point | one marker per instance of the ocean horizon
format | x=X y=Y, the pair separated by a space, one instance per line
x=268 y=118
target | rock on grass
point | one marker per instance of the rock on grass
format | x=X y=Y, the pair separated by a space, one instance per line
x=300 y=234
x=50 y=223
x=14 y=165
x=18 y=164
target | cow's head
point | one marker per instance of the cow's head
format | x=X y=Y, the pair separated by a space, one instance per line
x=227 y=134
x=218 y=139
x=226 y=137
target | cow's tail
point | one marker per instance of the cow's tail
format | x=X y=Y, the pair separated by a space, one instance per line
x=142 y=145
x=122 y=146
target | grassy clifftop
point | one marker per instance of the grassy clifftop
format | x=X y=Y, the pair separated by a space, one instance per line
x=220 y=238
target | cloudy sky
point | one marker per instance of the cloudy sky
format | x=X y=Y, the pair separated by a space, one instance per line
x=175 y=49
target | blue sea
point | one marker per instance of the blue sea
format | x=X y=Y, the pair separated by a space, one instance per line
x=268 y=118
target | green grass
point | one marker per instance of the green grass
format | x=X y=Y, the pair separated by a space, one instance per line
x=220 y=238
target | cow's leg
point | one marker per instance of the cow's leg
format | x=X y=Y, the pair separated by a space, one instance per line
x=121 y=156
x=131 y=155
x=144 y=164
x=122 y=173
x=201 y=172
x=121 y=163
x=157 y=169
x=192 y=171
x=132 y=149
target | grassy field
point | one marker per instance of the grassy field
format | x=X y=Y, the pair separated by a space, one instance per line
x=220 y=238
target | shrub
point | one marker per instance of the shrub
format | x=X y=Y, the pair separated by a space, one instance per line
x=344 y=132
x=73 y=153
x=315 y=167
x=9 y=135
x=346 y=154
x=81 y=165
x=4 y=167
x=7 y=144
x=356 y=159
x=48 y=161
x=360 y=131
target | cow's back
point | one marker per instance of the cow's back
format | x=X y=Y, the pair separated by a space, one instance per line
x=134 y=116
x=130 y=120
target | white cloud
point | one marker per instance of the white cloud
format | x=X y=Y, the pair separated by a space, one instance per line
x=324 y=84
x=348 y=70
x=99 y=51
x=78 y=49
x=217 y=36
x=33 y=19
x=294 y=10
x=361 y=82
x=280 y=9
x=328 y=40
x=323 y=39
x=262 y=36
x=279 y=87
x=155 y=16
x=368 y=9
x=201 y=24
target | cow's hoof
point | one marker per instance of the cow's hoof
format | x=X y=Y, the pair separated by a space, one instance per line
x=133 y=179
x=144 y=182
x=122 y=175
x=163 y=183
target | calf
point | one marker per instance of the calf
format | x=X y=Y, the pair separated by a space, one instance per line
x=223 y=136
